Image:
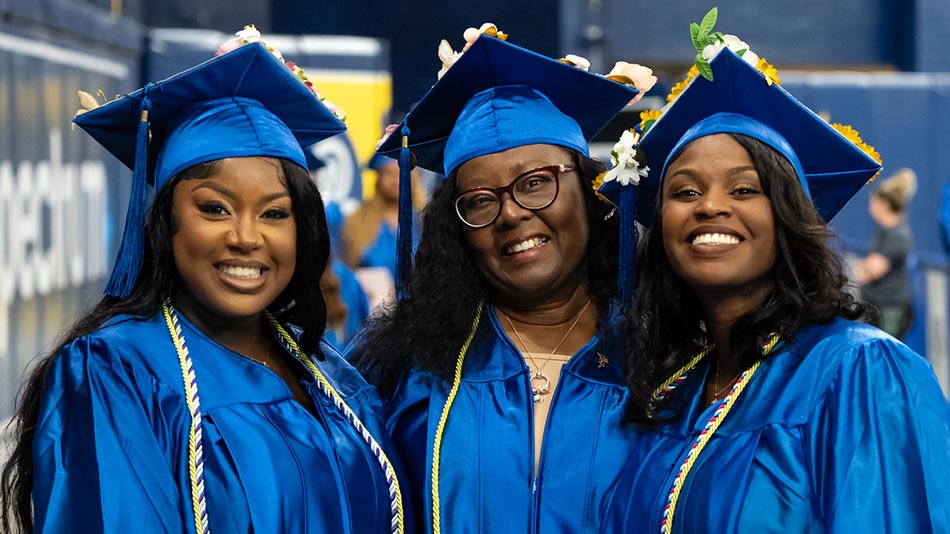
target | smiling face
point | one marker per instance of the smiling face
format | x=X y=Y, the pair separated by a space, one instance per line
x=236 y=244
x=528 y=257
x=718 y=226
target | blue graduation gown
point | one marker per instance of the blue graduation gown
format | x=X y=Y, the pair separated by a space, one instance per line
x=382 y=251
x=846 y=430
x=111 y=447
x=487 y=481
x=357 y=307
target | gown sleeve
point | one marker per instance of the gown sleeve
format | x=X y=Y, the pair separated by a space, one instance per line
x=106 y=451
x=880 y=443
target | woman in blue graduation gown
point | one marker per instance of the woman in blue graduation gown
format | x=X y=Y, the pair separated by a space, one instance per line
x=759 y=402
x=501 y=360
x=197 y=395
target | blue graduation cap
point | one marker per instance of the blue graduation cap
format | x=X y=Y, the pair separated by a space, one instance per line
x=497 y=96
x=241 y=104
x=313 y=162
x=378 y=161
x=739 y=99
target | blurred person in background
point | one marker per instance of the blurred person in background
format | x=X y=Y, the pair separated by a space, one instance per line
x=368 y=238
x=347 y=305
x=883 y=273
x=197 y=395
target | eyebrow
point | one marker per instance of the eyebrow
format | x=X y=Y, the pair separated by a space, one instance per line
x=228 y=193
x=527 y=169
x=691 y=172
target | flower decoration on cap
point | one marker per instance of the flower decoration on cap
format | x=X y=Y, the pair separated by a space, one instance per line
x=449 y=56
x=852 y=135
x=632 y=74
x=709 y=43
x=246 y=36
x=678 y=88
x=250 y=35
x=626 y=169
x=576 y=61
x=389 y=131
x=647 y=118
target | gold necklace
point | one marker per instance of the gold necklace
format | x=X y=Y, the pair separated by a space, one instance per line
x=266 y=355
x=540 y=383
x=718 y=394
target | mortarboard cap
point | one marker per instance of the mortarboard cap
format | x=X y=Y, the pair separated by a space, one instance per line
x=241 y=104
x=740 y=99
x=498 y=96
x=378 y=161
x=313 y=162
x=830 y=167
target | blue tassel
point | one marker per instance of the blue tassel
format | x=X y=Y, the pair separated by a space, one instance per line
x=128 y=263
x=626 y=279
x=404 y=234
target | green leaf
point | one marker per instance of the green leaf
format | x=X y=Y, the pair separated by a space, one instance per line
x=703 y=67
x=742 y=52
x=717 y=36
x=695 y=36
x=709 y=21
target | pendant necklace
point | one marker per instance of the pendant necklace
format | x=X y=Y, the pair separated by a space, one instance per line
x=540 y=383
x=266 y=360
x=717 y=393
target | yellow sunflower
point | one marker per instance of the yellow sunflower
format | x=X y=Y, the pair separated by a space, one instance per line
x=767 y=70
x=648 y=117
x=678 y=88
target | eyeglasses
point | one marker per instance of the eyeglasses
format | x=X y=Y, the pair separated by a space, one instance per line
x=533 y=190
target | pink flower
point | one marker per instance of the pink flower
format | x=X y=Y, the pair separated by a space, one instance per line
x=309 y=85
x=389 y=131
x=246 y=36
x=229 y=45
x=638 y=76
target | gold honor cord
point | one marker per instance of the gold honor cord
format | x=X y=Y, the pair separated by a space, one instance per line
x=398 y=521
x=437 y=446
x=199 y=508
x=666 y=525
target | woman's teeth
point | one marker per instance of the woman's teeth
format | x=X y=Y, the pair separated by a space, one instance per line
x=534 y=242
x=715 y=239
x=240 y=272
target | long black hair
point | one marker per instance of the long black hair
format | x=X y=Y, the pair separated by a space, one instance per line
x=808 y=287
x=426 y=330
x=300 y=304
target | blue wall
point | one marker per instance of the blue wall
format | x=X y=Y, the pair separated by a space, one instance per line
x=899 y=34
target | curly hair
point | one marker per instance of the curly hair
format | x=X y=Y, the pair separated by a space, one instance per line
x=426 y=329
x=808 y=287
x=300 y=304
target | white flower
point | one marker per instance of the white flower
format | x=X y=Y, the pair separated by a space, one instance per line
x=626 y=169
x=577 y=61
x=732 y=43
x=448 y=57
x=249 y=34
